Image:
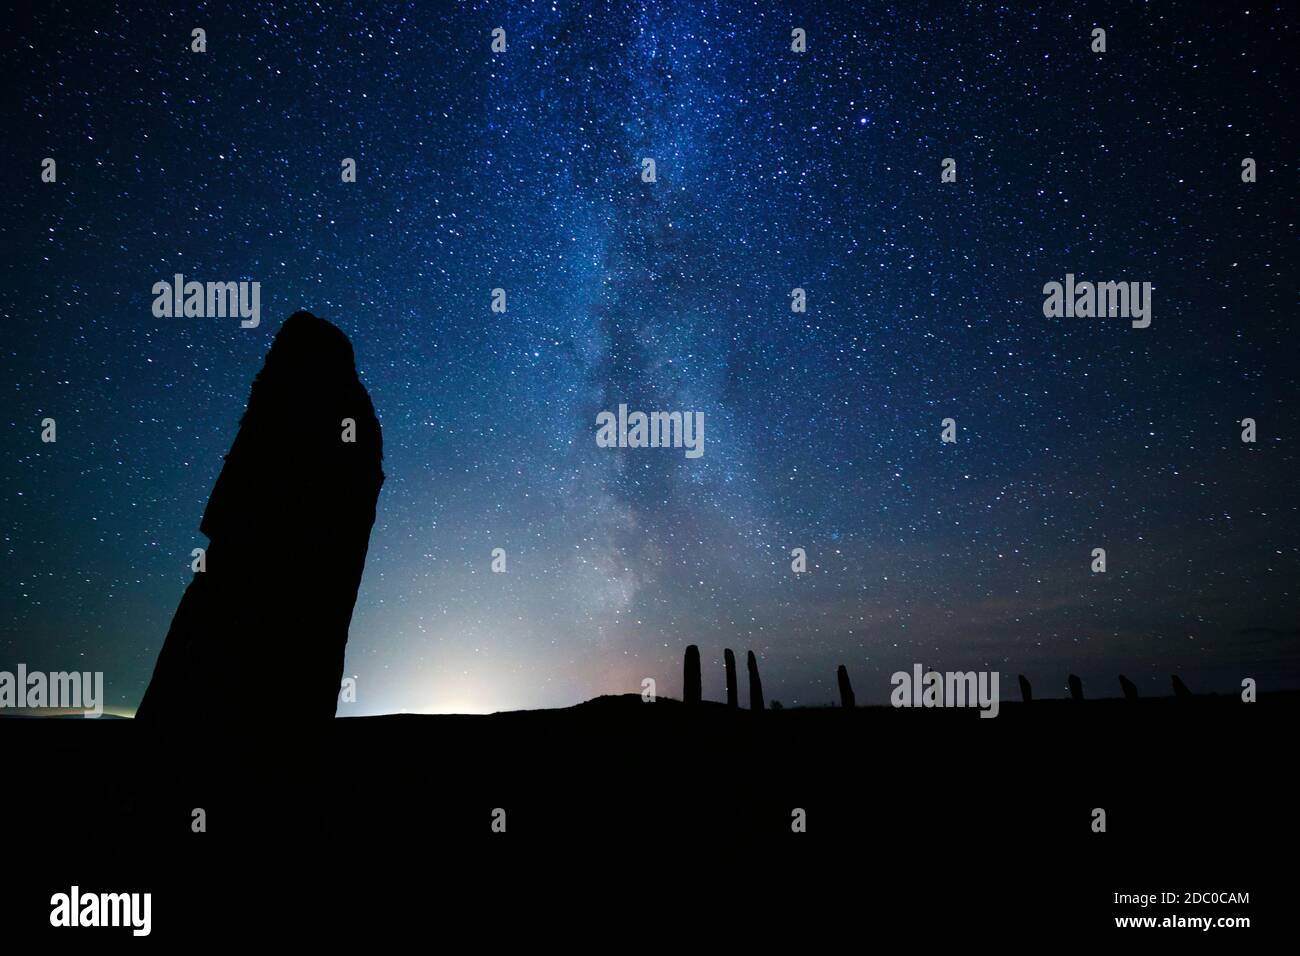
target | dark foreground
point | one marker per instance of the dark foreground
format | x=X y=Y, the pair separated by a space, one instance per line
x=647 y=818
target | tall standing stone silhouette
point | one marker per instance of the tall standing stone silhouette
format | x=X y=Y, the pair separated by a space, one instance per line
x=755 y=683
x=846 y=689
x=288 y=525
x=1129 y=688
x=1180 y=689
x=691 y=677
x=729 y=659
x=1076 y=688
x=1026 y=692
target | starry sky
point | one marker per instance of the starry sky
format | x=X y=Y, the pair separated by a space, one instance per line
x=521 y=170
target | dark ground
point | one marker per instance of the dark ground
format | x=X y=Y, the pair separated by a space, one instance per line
x=655 y=817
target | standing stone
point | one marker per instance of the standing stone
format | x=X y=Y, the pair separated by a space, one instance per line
x=691 y=678
x=729 y=658
x=755 y=683
x=846 y=689
x=1026 y=692
x=1180 y=689
x=1076 y=688
x=288 y=525
x=1129 y=688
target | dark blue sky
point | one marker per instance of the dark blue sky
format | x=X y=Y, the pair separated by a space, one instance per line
x=776 y=170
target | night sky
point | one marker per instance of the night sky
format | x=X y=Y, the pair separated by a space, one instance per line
x=775 y=170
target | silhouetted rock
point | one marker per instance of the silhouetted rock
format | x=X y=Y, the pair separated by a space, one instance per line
x=846 y=689
x=288 y=524
x=1026 y=692
x=1129 y=688
x=729 y=658
x=755 y=683
x=1076 y=688
x=691 y=678
x=1180 y=689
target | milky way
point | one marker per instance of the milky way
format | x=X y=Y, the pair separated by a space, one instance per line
x=775 y=170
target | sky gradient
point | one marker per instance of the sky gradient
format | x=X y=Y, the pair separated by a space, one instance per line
x=521 y=170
